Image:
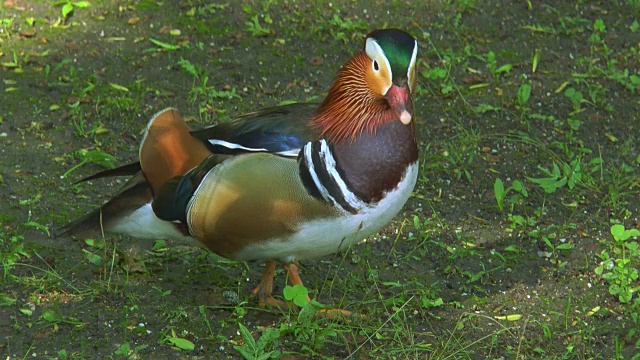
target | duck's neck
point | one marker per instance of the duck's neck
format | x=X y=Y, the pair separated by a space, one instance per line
x=351 y=108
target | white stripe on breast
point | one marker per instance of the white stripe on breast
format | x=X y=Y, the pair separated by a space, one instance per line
x=330 y=165
x=314 y=176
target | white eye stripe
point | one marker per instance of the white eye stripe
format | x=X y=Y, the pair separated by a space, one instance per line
x=412 y=64
x=375 y=52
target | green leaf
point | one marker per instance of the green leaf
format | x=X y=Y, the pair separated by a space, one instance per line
x=614 y=289
x=246 y=353
x=617 y=231
x=123 y=350
x=35 y=225
x=5 y=300
x=599 y=270
x=82 y=4
x=518 y=220
x=27 y=312
x=564 y=247
x=247 y=336
x=51 y=316
x=504 y=68
x=268 y=335
x=180 y=343
x=164 y=45
x=498 y=190
x=119 y=87
x=271 y=354
x=99 y=244
x=429 y=303
x=512 y=248
x=192 y=69
x=632 y=247
x=297 y=293
x=598 y=25
x=98 y=157
x=435 y=73
x=549 y=185
x=93 y=258
x=485 y=108
x=625 y=296
x=524 y=93
x=67 y=9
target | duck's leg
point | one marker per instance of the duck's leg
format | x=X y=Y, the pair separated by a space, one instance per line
x=294 y=279
x=294 y=274
x=265 y=286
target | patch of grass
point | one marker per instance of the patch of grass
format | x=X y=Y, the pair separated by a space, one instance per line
x=67 y=7
x=252 y=349
x=92 y=157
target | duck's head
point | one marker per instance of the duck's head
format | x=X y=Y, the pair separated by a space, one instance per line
x=372 y=88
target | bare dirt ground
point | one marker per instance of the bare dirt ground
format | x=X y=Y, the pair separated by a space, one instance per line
x=540 y=95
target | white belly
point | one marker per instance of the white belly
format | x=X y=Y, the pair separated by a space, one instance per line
x=327 y=236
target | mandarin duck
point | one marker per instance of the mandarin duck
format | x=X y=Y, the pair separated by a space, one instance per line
x=283 y=184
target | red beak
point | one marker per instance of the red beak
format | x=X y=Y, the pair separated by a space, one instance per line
x=399 y=99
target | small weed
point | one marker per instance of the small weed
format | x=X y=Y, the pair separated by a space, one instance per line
x=55 y=318
x=549 y=235
x=630 y=81
x=345 y=26
x=256 y=29
x=495 y=70
x=297 y=293
x=69 y=6
x=32 y=203
x=15 y=64
x=164 y=45
x=461 y=152
x=258 y=350
x=524 y=94
x=180 y=343
x=5 y=25
x=620 y=268
x=126 y=352
x=440 y=73
x=576 y=98
x=500 y=192
x=92 y=157
x=12 y=251
x=200 y=89
x=50 y=71
x=570 y=175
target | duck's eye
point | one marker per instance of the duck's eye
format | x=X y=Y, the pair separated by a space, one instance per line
x=376 y=67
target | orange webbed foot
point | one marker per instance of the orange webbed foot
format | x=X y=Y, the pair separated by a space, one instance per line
x=265 y=288
x=294 y=279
